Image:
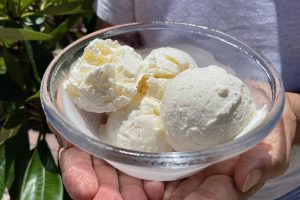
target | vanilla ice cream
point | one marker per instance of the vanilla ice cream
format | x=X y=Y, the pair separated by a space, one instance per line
x=204 y=107
x=162 y=103
x=138 y=126
x=167 y=62
x=105 y=78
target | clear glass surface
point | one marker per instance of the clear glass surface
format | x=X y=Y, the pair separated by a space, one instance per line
x=207 y=47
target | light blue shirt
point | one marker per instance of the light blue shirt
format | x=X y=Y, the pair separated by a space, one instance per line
x=272 y=26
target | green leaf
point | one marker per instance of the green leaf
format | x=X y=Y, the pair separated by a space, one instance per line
x=2 y=66
x=69 y=8
x=3 y=12
x=13 y=7
x=2 y=4
x=14 y=119
x=10 y=174
x=8 y=133
x=13 y=69
x=5 y=171
x=90 y=21
x=2 y=170
x=17 y=154
x=46 y=157
x=22 y=34
x=11 y=124
x=10 y=91
x=33 y=97
x=6 y=174
x=7 y=107
x=10 y=23
x=3 y=15
x=64 y=27
x=42 y=57
x=8 y=42
x=30 y=54
x=39 y=183
x=25 y=3
x=19 y=70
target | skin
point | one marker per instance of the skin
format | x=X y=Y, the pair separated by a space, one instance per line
x=87 y=177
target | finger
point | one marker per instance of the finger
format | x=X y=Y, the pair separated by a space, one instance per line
x=131 y=188
x=225 y=167
x=170 y=187
x=216 y=187
x=107 y=179
x=187 y=186
x=253 y=190
x=266 y=160
x=154 y=189
x=271 y=157
x=78 y=174
x=61 y=141
x=293 y=101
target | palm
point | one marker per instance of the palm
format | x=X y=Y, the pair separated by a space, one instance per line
x=87 y=177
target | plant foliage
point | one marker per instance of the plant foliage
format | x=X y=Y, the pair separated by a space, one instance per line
x=31 y=31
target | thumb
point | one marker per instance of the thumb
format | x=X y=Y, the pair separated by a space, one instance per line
x=271 y=157
x=266 y=160
x=216 y=187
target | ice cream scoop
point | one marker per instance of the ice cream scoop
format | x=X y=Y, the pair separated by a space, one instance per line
x=138 y=125
x=105 y=78
x=167 y=62
x=205 y=107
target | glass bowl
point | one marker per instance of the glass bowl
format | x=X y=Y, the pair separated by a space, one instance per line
x=206 y=46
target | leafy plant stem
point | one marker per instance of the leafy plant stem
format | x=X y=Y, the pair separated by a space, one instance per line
x=30 y=33
x=19 y=9
x=32 y=60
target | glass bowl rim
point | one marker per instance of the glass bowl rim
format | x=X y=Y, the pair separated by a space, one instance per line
x=162 y=159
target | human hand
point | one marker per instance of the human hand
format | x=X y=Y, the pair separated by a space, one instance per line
x=242 y=176
x=87 y=177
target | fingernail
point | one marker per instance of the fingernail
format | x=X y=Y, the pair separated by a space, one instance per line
x=251 y=180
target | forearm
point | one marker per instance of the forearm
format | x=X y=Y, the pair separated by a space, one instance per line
x=294 y=99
